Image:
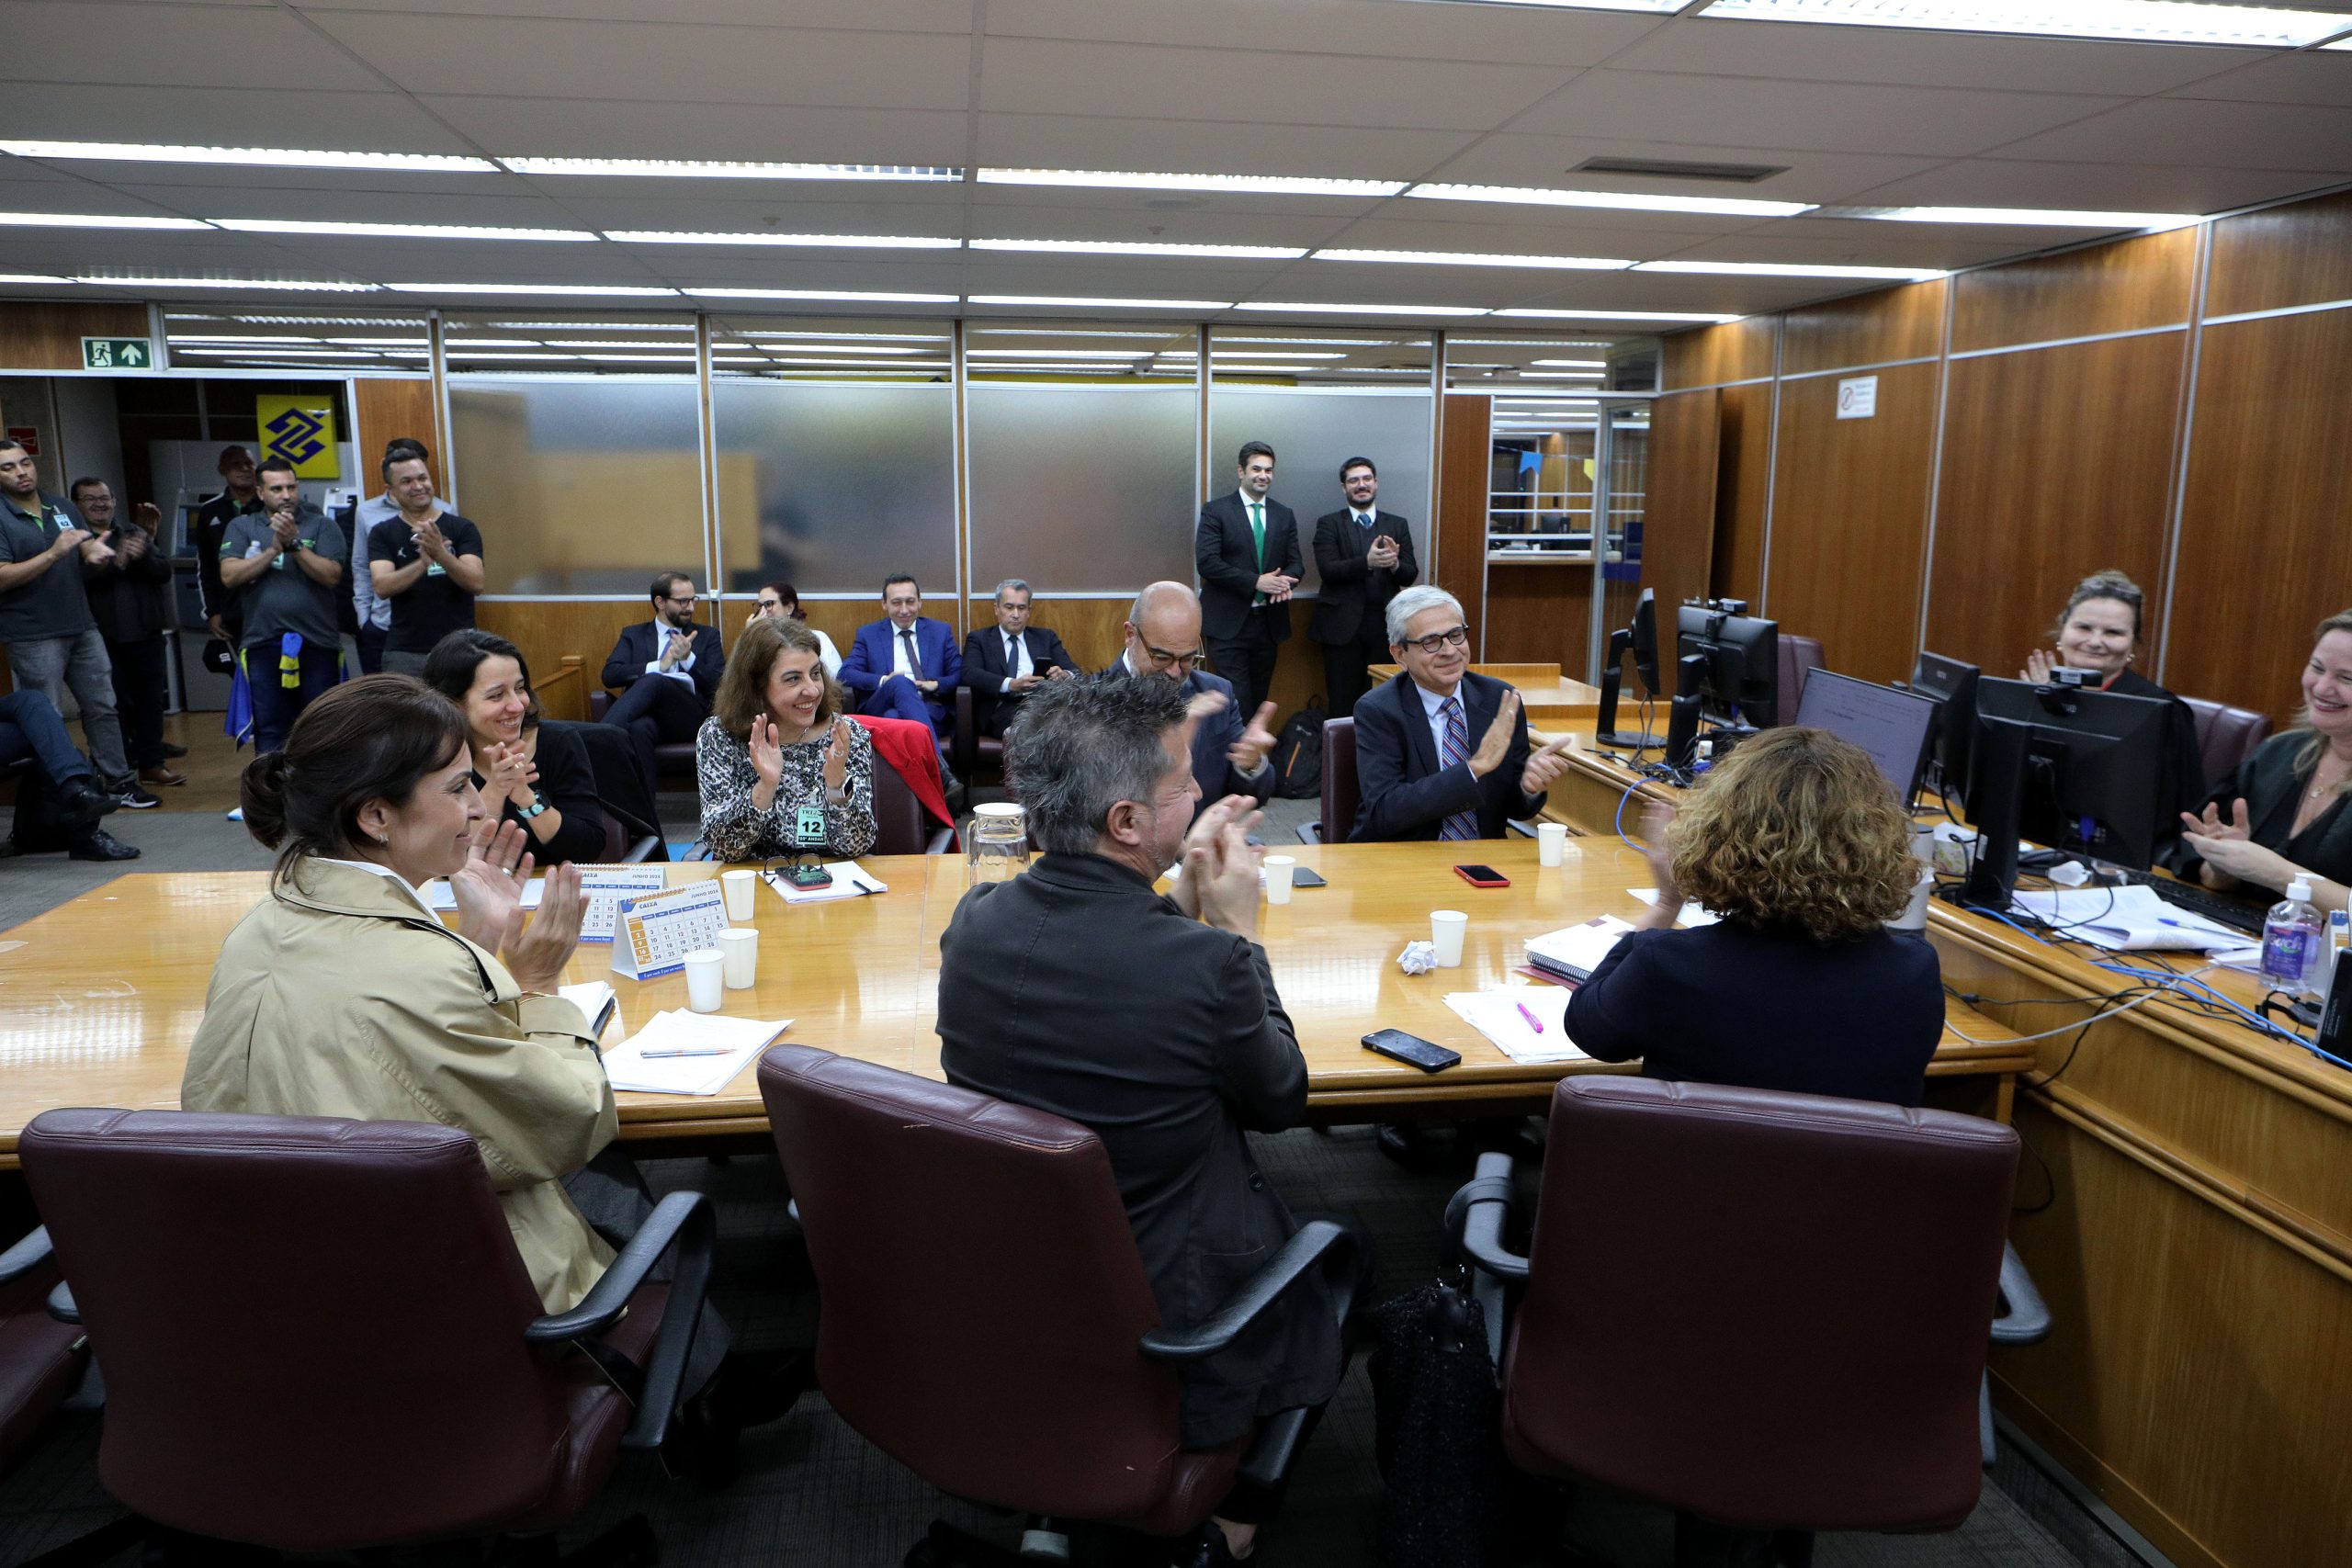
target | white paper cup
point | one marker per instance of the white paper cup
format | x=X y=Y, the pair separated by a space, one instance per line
x=1447 y=927
x=739 y=888
x=1551 y=842
x=1278 y=883
x=1914 y=914
x=706 y=979
x=740 y=946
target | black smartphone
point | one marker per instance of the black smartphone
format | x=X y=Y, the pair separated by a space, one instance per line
x=808 y=876
x=1306 y=876
x=1412 y=1050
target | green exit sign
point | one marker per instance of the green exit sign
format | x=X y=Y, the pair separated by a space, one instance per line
x=118 y=354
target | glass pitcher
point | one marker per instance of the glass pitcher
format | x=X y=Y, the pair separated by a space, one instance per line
x=996 y=841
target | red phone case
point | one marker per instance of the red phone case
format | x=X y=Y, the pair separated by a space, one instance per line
x=1498 y=880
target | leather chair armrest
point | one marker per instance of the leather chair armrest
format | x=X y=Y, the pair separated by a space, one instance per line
x=2025 y=1317
x=1475 y=1215
x=1318 y=1243
x=60 y=1305
x=1310 y=832
x=965 y=743
x=638 y=851
x=599 y=704
x=29 y=1254
x=688 y=1221
x=941 y=840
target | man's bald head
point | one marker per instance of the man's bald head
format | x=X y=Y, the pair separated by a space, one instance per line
x=1164 y=620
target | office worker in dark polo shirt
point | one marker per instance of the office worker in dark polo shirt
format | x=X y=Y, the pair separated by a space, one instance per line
x=1365 y=555
x=1151 y=1019
x=284 y=565
x=1795 y=843
x=426 y=561
x=127 y=599
x=1005 y=662
x=1246 y=549
x=240 y=494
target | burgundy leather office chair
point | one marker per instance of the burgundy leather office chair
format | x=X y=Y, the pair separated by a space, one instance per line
x=986 y=1321
x=1800 y=657
x=40 y=1359
x=901 y=826
x=1340 y=793
x=317 y=1334
x=1795 y=1292
x=972 y=749
x=671 y=759
x=2226 y=737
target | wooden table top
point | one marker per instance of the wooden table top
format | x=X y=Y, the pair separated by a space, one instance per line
x=1548 y=693
x=99 y=997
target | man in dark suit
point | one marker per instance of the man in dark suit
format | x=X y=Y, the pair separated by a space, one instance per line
x=1246 y=550
x=1163 y=641
x=1076 y=989
x=666 y=670
x=904 y=665
x=1004 y=663
x=1418 y=772
x=1365 y=555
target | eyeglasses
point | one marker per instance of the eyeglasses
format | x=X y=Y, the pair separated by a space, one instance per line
x=1163 y=660
x=689 y=599
x=1436 y=641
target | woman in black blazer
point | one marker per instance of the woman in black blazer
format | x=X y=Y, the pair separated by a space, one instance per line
x=2282 y=813
x=536 y=778
x=2099 y=631
x=1795 y=843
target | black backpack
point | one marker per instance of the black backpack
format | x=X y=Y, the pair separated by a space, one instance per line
x=1298 y=754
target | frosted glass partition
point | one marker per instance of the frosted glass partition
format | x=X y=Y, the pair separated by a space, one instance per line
x=1312 y=433
x=1080 y=489
x=833 y=488
x=586 y=486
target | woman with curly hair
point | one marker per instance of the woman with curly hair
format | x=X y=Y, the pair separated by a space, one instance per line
x=1795 y=842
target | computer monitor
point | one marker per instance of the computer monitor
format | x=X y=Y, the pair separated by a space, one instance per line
x=1954 y=685
x=2071 y=768
x=1743 y=655
x=1894 y=726
x=1639 y=638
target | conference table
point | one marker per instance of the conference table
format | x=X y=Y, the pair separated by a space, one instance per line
x=2185 y=1206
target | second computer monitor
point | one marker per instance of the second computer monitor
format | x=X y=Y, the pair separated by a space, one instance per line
x=1743 y=669
x=2072 y=769
x=1951 y=683
x=1893 y=727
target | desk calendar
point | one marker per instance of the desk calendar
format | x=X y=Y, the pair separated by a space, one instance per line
x=652 y=933
x=602 y=888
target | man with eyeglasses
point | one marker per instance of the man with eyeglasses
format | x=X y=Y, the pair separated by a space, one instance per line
x=1163 y=641
x=666 y=670
x=1442 y=753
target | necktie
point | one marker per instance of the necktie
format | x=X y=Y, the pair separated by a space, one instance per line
x=906 y=641
x=1462 y=824
x=1258 y=540
x=1013 y=655
x=1363 y=519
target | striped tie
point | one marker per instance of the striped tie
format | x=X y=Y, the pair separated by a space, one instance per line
x=1462 y=824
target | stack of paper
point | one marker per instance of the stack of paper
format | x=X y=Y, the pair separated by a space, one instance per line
x=1502 y=1015
x=441 y=897
x=688 y=1052
x=1574 y=952
x=850 y=881
x=595 y=1001
x=2128 y=920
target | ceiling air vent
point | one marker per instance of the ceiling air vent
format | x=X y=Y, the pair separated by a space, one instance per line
x=1657 y=169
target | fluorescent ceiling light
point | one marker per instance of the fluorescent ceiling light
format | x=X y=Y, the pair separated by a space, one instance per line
x=722 y=169
x=1479 y=258
x=457 y=343
x=1574 y=363
x=828 y=242
x=641 y=358
x=1790 y=269
x=843 y=342
x=226 y=283
x=593 y=326
x=263 y=157
x=1563 y=374
x=94 y=220
x=2133 y=21
x=631 y=290
x=1215 y=352
x=372 y=341
x=867 y=296
x=1628 y=201
x=501 y=354
x=1088 y=302
x=282 y=352
x=396 y=231
x=1055 y=353
x=1364 y=310
x=843 y=347
x=1380 y=370
x=1222 y=336
x=2340 y=43
x=1057 y=331
x=268 y=337
x=2039 y=215
x=864 y=364
x=1145 y=248
x=1653 y=5
x=1621 y=315
x=1266 y=185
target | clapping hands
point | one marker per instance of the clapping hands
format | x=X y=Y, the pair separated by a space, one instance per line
x=488 y=889
x=1220 y=880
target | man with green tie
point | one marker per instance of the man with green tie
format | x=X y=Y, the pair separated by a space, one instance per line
x=1247 y=552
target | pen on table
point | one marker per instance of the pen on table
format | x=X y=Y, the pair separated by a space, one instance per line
x=688 y=1051
x=1532 y=1021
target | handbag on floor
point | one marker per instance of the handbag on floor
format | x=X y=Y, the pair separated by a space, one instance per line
x=1436 y=1412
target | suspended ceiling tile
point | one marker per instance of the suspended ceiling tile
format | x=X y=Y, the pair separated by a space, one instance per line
x=2202 y=131
x=1499 y=34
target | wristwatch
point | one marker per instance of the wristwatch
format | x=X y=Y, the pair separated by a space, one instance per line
x=527 y=812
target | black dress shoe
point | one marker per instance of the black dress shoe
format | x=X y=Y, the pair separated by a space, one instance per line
x=101 y=845
x=80 y=803
x=172 y=750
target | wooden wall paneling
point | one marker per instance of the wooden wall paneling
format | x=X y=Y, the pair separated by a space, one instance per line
x=1850 y=520
x=1679 y=520
x=386 y=406
x=1538 y=615
x=2264 y=550
x=2296 y=254
x=46 y=335
x=2121 y=286
x=2057 y=463
x=1887 y=325
x=1735 y=351
x=1743 y=474
x=1461 y=564
x=548 y=630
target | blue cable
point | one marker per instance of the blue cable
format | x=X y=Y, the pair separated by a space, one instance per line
x=1631 y=790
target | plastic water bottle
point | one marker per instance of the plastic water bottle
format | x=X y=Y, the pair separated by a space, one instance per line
x=2291 y=941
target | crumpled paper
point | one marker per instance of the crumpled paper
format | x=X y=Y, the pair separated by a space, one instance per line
x=1419 y=957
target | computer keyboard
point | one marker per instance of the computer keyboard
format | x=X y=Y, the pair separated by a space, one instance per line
x=2234 y=913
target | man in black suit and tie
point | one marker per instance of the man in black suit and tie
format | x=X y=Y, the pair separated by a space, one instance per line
x=666 y=670
x=1247 y=552
x=1442 y=753
x=1365 y=555
x=1004 y=663
x=1077 y=990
